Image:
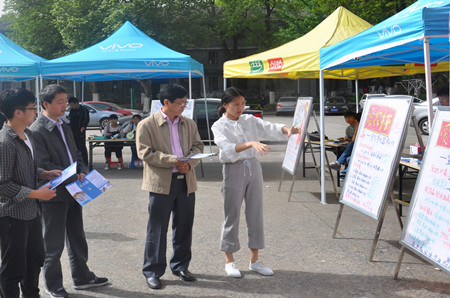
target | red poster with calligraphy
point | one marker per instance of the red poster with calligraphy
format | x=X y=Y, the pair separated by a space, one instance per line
x=444 y=135
x=380 y=119
x=275 y=64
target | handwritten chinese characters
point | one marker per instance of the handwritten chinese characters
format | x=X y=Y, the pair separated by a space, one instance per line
x=375 y=153
x=295 y=143
x=428 y=224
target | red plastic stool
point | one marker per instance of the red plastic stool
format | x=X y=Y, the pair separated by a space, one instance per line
x=115 y=163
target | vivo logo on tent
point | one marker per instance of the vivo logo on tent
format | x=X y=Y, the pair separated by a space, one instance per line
x=125 y=47
x=9 y=69
x=157 y=63
x=386 y=32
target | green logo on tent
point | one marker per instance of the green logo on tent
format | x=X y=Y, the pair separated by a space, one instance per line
x=256 y=66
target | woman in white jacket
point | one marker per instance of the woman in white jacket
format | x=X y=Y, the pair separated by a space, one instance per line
x=237 y=136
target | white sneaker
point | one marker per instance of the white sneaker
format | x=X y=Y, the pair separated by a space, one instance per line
x=232 y=270
x=119 y=166
x=259 y=267
x=107 y=166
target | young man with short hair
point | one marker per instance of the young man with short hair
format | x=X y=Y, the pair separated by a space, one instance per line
x=21 y=244
x=442 y=94
x=63 y=216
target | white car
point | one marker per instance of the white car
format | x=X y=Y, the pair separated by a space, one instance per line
x=421 y=114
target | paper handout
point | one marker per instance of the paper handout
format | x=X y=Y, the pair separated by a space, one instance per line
x=196 y=156
x=66 y=174
x=93 y=185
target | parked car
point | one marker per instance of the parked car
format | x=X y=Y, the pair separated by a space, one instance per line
x=421 y=114
x=286 y=105
x=336 y=105
x=97 y=118
x=213 y=105
x=112 y=107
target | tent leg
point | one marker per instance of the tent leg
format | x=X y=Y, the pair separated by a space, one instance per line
x=426 y=50
x=190 y=85
x=206 y=112
x=322 y=142
x=357 y=94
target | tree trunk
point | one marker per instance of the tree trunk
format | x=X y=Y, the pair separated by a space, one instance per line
x=146 y=86
x=94 y=91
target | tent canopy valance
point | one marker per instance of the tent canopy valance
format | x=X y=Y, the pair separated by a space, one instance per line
x=127 y=54
x=16 y=63
x=300 y=58
x=397 y=40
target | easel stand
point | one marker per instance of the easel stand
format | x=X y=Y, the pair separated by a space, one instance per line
x=399 y=203
x=379 y=225
x=316 y=165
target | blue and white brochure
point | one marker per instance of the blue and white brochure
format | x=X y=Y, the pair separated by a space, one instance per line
x=93 y=185
x=66 y=174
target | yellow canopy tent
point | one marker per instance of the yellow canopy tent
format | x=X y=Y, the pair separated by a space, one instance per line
x=300 y=58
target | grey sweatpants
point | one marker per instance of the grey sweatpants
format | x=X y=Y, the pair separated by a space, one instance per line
x=242 y=180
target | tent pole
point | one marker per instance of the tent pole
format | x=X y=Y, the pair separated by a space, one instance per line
x=426 y=50
x=357 y=95
x=74 y=89
x=322 y=142
x=190 y=85
x=206 y=114
x=298 y=87
x=224 y=83
x=82 y=90
x=36 y=88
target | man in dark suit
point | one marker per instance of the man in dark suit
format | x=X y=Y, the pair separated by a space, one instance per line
x=62 y=217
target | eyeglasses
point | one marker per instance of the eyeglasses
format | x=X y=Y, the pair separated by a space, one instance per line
x=181 y=104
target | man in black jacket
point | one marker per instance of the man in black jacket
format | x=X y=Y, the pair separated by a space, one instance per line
x=62 y=217
x=79 y=120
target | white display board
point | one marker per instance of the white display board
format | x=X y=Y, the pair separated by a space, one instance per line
x=295 y=143
x=427 y=228
x=376 y=153
x=188 y=110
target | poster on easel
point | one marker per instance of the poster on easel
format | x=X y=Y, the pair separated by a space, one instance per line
x=427 y=228
x=376 y=154
x=296 y=142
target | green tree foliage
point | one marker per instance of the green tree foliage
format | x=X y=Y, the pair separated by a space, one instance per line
x=52 y=28
x=32 y=27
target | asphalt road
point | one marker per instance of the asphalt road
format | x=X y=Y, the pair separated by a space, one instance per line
x=300 y=249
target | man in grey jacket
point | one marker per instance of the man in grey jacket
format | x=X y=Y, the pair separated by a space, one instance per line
x=62 y=217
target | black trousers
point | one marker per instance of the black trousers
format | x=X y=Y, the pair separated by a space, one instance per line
x=22 y=254
x=181 y=206
x=113 y=147
x=80 y=141
x=63 y=222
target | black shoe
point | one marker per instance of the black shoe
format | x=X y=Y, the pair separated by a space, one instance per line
x=154 y=283
x=58 y=293
x=96 y=282
x=185 y=275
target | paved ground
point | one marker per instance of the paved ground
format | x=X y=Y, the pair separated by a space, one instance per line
x=306 y=260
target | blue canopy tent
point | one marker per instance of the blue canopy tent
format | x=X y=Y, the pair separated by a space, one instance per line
x=127 y=54
x=16 y=63
x=419 y=34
